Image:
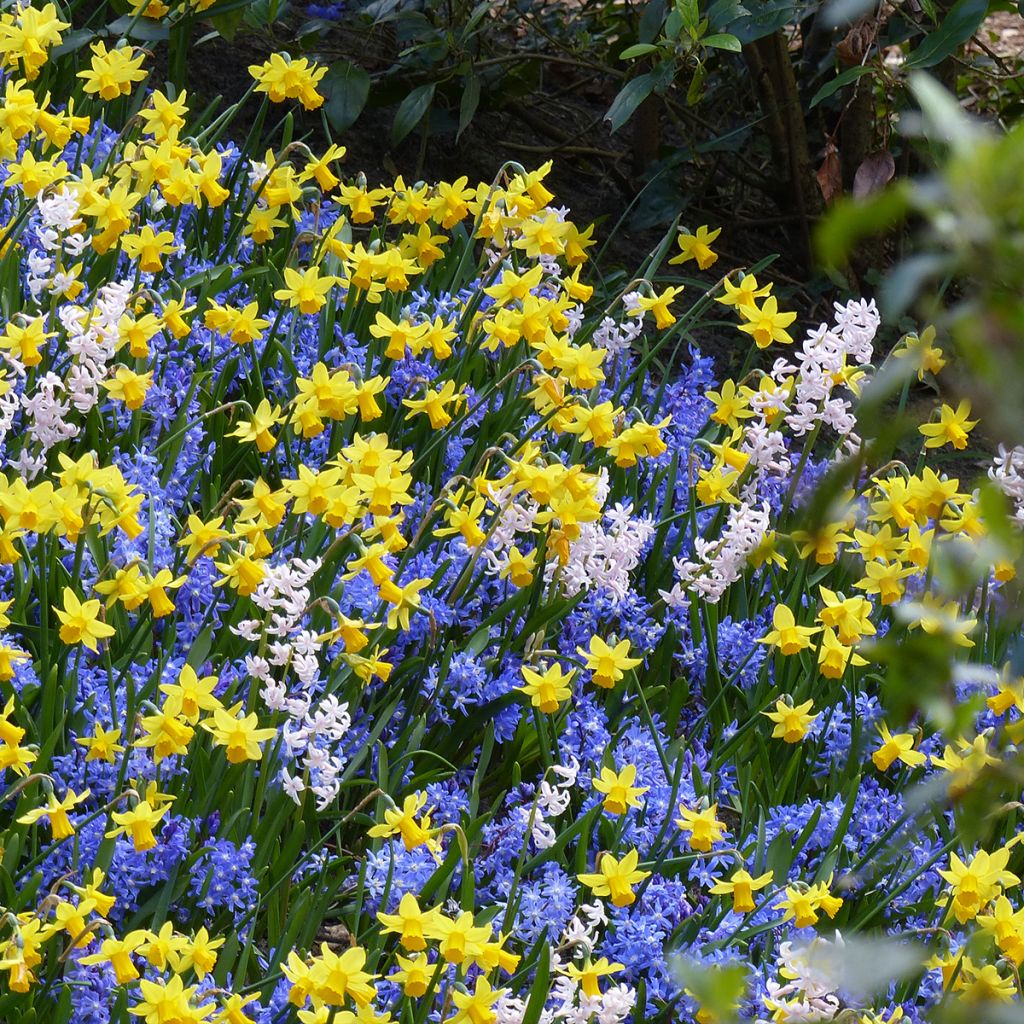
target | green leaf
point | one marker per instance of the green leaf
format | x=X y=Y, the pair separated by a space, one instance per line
x=637 y=50
x=411 y=26
x=346 y=87
x=475 y=18
x=963 y=20
x=718 y=988
x=263 y=13
x=411 y=110
x=539 y=991
x=651 y=20
x=723 y=13
x=843 y=78
x=689 y=12
x=945 y=121
x=226 y=7
x=723 y=41
x=851 y=220
x=380 y=10
x=73 y=41
x=146 y=29
x=903 y=284
x=630 y=96
x=469 y=102
x=768 y=16
x=695 y=92
x=227 y=24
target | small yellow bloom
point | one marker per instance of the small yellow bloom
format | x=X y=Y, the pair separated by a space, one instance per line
x=785 y=634
x=899 y=747
x=413 y=925
x=117 y=953
x=259 y=426
x=102 y=745
x=658 y=305
x=80 y=622
x=305 y=289
x=547 y=690
x=403 y=822
x=834 y=656
x=616 y=878
x=112 y=73
x=138 y=822
x=953 y=427
x=129 y=387
x=284 y=78
x=56 y=813
x=697 y=247
x=741 y=886
x=746 y=293
x=619 y=792
x=607 y=663
x=791 y=723
x=922 y=349
x=589 y=974
x=703 y=827
x=238 y=733
x=766 y=324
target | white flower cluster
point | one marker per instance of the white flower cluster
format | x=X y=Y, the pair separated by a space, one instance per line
x=313 y=730
x=566 y=999
x=92 y=340
x=58 y=237
x=808 y=993
x=618 y=337
x=719 y=563
x=516 y=514
x=574 y=321
x=765 y=447
x=1007 y=473
x=811 y=391
x=574 y=1006
x=551 y=802
x=606 y=551
x=581 y=933
x=258 y=170
x=92 y=334
x=819 y=371
x=10 y=403
x=603 y=555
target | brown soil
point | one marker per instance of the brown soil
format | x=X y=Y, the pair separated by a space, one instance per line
x=593 y=171
x=598 y=174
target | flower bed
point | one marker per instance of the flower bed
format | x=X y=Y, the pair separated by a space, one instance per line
x=400 y=624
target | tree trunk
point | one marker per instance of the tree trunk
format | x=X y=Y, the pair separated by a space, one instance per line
x=799 y=194
x=646 y=134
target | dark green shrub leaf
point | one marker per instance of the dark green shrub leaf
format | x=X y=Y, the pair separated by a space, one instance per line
x=956 y=28
x=469 y=102
x=723 y=41
x=651 y=20
x=630 y=96
x=843 y=78
x=637 y=50
x=411 y=110
x=346 y=86
x=146 y=29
